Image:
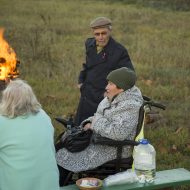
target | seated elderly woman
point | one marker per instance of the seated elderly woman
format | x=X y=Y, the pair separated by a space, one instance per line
x=116 y=118
x=27 y=153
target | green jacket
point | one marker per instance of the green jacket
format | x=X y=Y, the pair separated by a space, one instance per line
x=27 y=154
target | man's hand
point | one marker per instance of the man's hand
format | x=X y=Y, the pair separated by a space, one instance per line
x=79 y=85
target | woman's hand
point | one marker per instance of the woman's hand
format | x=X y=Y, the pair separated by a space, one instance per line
x=87 y=127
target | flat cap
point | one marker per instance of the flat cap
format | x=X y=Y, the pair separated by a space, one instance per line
x=100 y=22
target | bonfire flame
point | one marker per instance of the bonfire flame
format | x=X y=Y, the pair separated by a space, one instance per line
x=8 y=60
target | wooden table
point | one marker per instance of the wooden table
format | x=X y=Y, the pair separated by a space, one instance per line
x=164 y=179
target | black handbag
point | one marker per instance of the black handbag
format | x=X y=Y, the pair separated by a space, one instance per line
x=74 y=140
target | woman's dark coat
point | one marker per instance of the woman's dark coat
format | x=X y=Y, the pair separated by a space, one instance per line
x=94 y=73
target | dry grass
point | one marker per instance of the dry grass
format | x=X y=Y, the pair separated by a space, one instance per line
x=49 y=36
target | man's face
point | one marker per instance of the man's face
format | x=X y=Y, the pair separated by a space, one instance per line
x=102 y=36
x=112 y=90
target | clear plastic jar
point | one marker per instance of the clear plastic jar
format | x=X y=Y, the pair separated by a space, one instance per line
x=145 y=161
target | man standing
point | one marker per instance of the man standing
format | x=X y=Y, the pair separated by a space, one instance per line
x=103 y=54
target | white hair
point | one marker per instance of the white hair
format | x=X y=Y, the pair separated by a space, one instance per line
x=110 y=27
x=18 y=99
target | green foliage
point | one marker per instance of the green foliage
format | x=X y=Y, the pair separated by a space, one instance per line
x=48 y=37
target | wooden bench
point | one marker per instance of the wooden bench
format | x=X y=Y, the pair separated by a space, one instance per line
x=164 y=179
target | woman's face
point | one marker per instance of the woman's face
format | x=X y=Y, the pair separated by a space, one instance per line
x=112 y=90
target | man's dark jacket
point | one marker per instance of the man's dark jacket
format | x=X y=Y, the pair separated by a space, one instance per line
x=94 y=73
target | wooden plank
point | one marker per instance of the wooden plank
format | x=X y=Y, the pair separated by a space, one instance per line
x=166 y=178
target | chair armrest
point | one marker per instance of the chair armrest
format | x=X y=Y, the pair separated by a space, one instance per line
x=97 y=139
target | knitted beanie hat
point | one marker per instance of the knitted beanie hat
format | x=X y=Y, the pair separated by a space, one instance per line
x=123 y=78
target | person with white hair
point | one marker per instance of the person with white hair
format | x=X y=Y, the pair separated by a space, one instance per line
x=27 y=153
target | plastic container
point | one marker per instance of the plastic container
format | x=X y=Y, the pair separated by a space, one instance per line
x=145 y=161
x=128 y=176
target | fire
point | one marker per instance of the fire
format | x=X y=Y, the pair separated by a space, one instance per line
x=8 y=60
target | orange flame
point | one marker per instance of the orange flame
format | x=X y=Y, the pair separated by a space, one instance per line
x=8 y=60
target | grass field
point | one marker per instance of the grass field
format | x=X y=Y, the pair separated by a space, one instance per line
x=48 y=37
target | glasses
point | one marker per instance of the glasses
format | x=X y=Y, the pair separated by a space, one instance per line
x=100 y=33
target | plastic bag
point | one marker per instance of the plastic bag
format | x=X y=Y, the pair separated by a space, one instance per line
x=128 y=176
